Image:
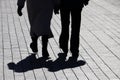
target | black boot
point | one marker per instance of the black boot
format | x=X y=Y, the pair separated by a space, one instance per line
x=33 y=45
x=45 y=53
x=74 y=57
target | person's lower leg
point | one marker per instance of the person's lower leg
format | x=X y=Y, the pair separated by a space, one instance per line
x=75 y=25
x=33 y=45
x=65 y=21
x=44 y=46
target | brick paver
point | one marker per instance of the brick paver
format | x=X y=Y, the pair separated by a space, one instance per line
x=99 y=45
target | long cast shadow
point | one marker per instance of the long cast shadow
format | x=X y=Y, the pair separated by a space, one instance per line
x=61 y=64
x=30 y=63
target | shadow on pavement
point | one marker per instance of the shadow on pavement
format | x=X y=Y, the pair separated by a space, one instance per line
x=30 y=63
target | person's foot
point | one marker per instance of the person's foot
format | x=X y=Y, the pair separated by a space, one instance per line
x=62 y=56
x=73 y=59
x=65 y=50
x=46 y=57
x=33 y=46
x=45 y=53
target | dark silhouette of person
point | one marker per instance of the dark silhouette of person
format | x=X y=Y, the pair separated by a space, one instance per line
x=73 y=8
x=31 y=63
x=39 y=14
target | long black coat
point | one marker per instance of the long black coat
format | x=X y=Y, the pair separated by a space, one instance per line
x=71 y=3
x=40 y=14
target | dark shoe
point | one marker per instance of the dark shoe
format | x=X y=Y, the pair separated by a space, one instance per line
x=33 y=46
x=45 y=53
x=75 y=55
x=45 y=57
x=62 y=56
x=65 y=50
x=72 y=59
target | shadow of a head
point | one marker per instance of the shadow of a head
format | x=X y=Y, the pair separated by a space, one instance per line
x=22 y=65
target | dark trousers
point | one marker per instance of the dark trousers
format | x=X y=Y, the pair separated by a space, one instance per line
x=44 y=41
x=75 y=29
x=34 y=48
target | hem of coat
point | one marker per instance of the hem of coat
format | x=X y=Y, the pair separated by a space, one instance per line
x=49 y=36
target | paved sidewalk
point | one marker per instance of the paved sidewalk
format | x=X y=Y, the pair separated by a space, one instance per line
x=99 y=45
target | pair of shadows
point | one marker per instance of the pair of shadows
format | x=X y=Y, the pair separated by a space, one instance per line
x=30 y=63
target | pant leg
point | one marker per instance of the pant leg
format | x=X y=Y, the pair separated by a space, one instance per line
x=75 y=25
x=65 y=21
x=44 y=41
x=44 y=46
x=33 y=45
x=34 y=38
